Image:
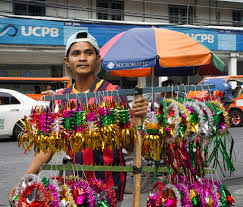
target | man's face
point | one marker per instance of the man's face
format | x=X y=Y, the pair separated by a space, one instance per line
x=82 y=59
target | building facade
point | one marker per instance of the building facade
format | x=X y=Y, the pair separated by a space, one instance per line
x=33 y=33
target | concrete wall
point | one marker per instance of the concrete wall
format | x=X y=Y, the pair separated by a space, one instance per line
x=206 y=11
x=76 y=9
x=6 y=7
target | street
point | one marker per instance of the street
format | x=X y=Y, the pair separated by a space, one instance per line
x=13 y=163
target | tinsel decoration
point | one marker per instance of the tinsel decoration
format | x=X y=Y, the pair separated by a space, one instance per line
x=34 y=195
x=156 y=194
x=109 y=128
x=184 y=122
x=127 y=131
x=40 y=131
x=185 y=199
x=221 y=140
x=197 y=119
x=82 y=194
x=66 y=196
x=54 y=192
x=104 y=193
x=225 y=196
x=152 y=141
x=202 y=194
x=172 y=128
x=73 y=127
x=172 y=196
x=25 y=181
x=207 y=130
x=223 y=117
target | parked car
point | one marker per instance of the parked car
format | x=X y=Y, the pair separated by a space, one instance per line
x=13 y=107
x=229 y=90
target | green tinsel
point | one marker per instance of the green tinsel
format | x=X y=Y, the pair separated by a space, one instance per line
x=124 y=116
x=152 y=131
x=69 y=123
x=79 y=118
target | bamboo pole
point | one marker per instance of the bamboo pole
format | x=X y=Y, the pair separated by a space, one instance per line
x=137 y=159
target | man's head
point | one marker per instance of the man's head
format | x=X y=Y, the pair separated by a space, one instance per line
x=81 y=36
x=168 y=82
x=48 y=87
x=82 y=54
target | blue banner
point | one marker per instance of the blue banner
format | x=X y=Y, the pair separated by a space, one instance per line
x=28 y=31
x=47 y=32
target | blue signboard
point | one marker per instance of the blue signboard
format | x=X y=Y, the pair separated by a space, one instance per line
x=47 y=32
x=102 y=32
x=28 y=31
x=239 y=40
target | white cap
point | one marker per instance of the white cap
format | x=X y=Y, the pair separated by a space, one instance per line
x=81 y=36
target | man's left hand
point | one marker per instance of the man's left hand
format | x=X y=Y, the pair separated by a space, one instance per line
x=140 y=107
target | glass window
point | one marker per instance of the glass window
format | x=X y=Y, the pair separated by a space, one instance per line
x=179 y=14
x=110 y=9
x=237 y=17
x=6 y=98
x=30 y=8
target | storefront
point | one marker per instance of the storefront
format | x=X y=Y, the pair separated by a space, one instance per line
x=35 y=47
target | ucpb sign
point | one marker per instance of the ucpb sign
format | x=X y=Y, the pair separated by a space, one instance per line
x=209 y=38
x=40 y=31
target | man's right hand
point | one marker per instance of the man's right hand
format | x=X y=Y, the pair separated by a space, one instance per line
x=34 y=168
x=11 y=194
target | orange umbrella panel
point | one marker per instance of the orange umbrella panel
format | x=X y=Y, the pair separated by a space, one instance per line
x=134 y=52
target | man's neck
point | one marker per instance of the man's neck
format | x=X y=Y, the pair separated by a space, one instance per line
x=84 y=83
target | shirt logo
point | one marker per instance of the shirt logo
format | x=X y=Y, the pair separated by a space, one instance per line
x=10 y=30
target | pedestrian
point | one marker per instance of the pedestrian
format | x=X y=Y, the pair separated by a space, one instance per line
x=83 y=61
x=159 y=97
x=48 y=90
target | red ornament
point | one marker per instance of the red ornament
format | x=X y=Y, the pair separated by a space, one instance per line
x=34 y=195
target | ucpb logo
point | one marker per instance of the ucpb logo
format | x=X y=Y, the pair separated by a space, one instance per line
x=209 y=38
x=40 y=31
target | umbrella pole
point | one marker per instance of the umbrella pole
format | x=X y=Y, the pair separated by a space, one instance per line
x=152 y=76
x=137 y=161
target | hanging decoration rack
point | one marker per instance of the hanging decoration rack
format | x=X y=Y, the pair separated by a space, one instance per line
x=135 y=91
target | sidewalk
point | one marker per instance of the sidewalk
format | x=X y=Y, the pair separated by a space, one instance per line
x=235 y=187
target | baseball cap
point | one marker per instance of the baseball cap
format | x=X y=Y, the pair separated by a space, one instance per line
x=81 y=36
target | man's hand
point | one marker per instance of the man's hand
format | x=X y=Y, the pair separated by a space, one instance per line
x=140 y=107
x=11 y=194
x=34 y=168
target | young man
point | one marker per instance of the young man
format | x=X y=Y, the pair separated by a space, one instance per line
x=83 y=61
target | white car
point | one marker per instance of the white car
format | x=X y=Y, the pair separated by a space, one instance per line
x=13 y=107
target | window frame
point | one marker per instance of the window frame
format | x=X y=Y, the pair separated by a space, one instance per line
x=106 y=10
x=178 y=19
x=237 y=22
x=40 y=7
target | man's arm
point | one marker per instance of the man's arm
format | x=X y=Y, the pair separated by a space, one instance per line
x=39 y=159
x=34 y=168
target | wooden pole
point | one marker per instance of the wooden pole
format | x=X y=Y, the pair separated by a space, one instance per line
x=137 y=159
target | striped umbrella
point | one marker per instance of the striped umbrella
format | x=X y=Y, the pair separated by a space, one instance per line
x=135 y=52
